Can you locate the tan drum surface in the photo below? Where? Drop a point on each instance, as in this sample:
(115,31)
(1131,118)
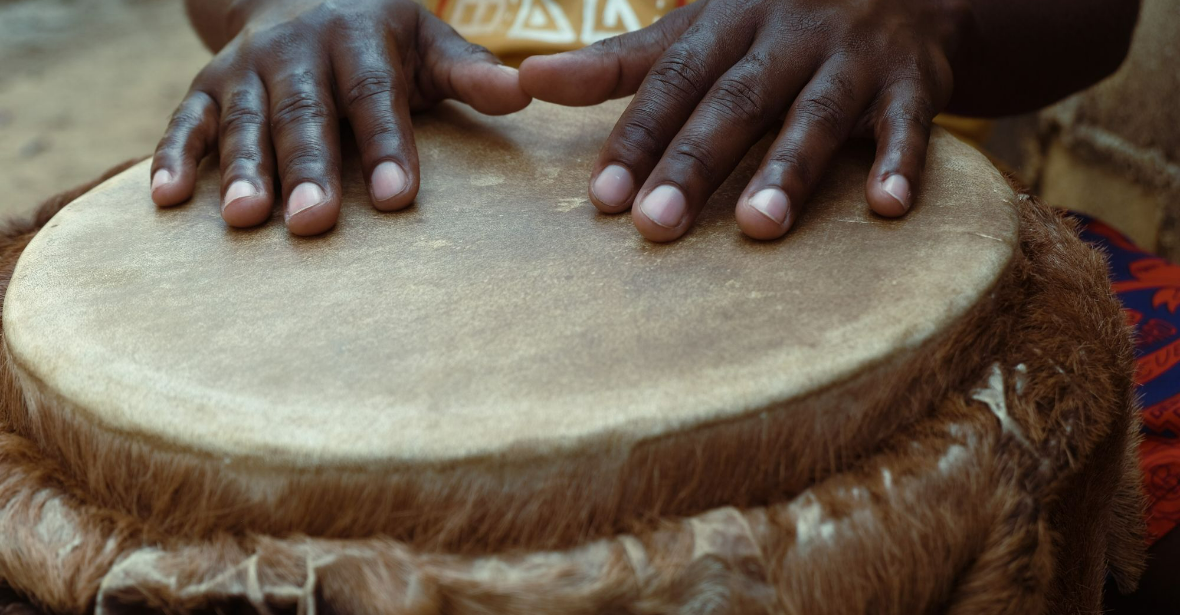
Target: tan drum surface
(498,327)
(500,401)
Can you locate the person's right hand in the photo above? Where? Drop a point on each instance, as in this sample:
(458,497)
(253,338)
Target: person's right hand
(270,100)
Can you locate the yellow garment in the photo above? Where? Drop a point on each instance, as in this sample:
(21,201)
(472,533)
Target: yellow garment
(516,29)
(972,130)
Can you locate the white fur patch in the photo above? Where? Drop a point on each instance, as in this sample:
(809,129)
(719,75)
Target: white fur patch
(57,527)
(1021,378)
(810,524)
(955,455)
(992,394)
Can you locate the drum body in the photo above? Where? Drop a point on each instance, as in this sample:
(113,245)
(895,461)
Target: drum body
(1113,151)
(501,401)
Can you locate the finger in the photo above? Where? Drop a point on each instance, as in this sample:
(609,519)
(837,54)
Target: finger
(610,68)
(819,122)
(191,134)
(375,99)
(676,84)
(306,134)
(738,109)
(467,72)
(247,158)
(903,135)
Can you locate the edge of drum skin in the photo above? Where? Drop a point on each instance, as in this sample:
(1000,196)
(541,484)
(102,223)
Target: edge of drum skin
(1015,491)
(523,499)
(492,504)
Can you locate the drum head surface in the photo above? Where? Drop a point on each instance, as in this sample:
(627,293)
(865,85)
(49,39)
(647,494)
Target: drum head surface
(499,316)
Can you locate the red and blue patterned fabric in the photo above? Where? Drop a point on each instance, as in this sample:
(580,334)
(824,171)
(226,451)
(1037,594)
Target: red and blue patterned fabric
(1149,289)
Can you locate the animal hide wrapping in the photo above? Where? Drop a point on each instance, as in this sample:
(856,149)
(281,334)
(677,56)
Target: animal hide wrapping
(1014,490)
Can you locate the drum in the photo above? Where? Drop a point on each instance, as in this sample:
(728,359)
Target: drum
(1114,150)
(501,401)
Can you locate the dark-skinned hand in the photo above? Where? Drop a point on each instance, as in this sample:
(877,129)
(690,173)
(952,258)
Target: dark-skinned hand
(711,78)
(271,99)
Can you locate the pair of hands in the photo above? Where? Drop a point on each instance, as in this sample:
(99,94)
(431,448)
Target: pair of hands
(709,80)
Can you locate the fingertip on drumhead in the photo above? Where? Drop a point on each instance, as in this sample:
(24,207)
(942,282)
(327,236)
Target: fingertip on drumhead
(398,202)
(168,190)
(890,196)
(652,231)
(247,212)
(612,189)
(314,220)
(765,215)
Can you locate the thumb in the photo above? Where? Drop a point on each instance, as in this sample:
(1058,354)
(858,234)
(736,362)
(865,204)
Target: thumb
(610,68)
(468,72)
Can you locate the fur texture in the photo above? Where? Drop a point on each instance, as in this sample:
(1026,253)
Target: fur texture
(1001,478)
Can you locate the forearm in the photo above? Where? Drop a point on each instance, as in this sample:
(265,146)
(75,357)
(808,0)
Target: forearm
(1019,55)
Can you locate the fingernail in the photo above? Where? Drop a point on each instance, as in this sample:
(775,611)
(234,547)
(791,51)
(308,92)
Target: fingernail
(161,178)
(238,190)
(613,186)
(303,197)
(389,180)
(665,206)
(772,203)
(508,69)
(897,187)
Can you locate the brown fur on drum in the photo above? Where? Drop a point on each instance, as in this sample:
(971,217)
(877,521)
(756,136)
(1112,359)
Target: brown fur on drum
(1013,490)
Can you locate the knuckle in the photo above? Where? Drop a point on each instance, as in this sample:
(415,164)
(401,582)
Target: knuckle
(840,86)
(795,162)
(638,136)
(191,111)
(914,114)
(608,46)
(183,119)
(243,162)
(302,107)
(695,154)
(376,138)
(369,85)
(739,101)
(303,160)
(280,41)
(241,116)
(808,23)
(183,130)
(477,51)
(165,154)
(908,75)
(825,112)
(670,27)
(681,75)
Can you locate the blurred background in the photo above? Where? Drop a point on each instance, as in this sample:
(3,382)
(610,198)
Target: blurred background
(86,84)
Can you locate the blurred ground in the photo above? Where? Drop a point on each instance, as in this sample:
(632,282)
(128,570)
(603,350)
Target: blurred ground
(84,85)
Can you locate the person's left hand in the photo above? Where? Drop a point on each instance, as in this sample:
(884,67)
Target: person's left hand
(711,78)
